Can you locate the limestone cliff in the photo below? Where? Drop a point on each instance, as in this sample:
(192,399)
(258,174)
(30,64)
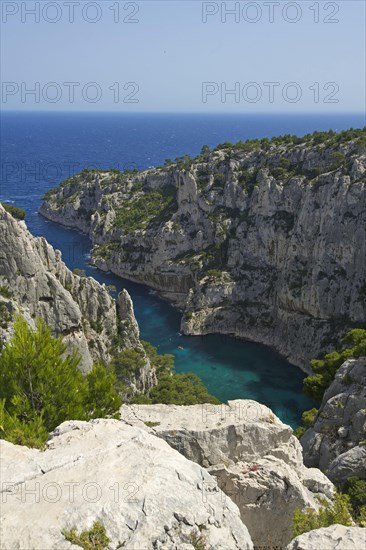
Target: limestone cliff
(35,282)
(337,441)
(335,537)
(264,240)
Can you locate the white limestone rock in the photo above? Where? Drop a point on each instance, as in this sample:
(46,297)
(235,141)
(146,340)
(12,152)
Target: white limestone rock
(146,494)
(335,537)
(254,457)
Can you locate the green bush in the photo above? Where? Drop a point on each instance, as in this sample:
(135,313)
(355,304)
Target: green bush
(149,207)
(329,138)
(31,432)
(355,488)
(41,386)
(337,159)
(5,292)
(308,418)
(17,213)
(102,400)
(79,272)
(326,368)
(173,388)
(160,362)
(336,511)
(179,389)
(6,315)
(127,364)
(214,273)
(95,538)
(50,193)
(247,179)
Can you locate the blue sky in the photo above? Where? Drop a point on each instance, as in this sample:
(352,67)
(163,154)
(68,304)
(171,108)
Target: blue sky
(170,60)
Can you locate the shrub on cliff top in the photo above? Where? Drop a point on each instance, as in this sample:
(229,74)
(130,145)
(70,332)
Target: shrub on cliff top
(17,213)
(95,538)
(326,368)
(330,513)
(41,386)
(173,388)
(355,488)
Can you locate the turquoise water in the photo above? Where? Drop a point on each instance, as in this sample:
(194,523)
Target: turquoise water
(39,150)
(230,368)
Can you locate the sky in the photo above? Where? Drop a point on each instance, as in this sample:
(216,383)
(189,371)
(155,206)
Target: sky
(183,56)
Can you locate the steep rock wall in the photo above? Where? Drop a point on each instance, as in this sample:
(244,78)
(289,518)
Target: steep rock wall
(265,242)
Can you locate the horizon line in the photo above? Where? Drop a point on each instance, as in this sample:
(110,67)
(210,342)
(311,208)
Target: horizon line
(24,111)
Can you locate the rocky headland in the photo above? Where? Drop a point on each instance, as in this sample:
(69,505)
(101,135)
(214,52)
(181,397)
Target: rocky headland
(263,240)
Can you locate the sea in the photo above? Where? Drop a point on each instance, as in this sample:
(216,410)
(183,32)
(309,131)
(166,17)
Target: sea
(40,149)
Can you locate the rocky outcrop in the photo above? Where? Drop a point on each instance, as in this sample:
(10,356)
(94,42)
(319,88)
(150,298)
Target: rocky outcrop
(337,441)
(254,457)
(146,494)
(262,241)
(35,281)
(335,537)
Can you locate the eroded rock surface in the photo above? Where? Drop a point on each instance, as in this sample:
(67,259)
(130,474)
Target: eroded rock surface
(335,537)
(336,442)
(254,457)
(147,495)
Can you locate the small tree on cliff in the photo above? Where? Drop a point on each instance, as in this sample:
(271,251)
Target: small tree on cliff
(41,386)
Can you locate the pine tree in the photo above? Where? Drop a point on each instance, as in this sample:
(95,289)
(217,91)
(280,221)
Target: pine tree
(41,386)
(38,377)
(102,400)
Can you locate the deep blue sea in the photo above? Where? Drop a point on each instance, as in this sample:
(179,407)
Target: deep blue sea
(38,150)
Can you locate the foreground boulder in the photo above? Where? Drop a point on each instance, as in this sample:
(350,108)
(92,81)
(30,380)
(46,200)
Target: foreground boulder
(335,537)
(146,494)
(254,457)
(336,442)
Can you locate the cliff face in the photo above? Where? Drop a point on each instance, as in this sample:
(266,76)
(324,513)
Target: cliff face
(266,241)
(35,281)
(337,441)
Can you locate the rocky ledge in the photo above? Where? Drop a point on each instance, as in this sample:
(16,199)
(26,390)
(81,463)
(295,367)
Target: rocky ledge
(265,240)
(129,476)
(336,537)
(253,456)
(147,496)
